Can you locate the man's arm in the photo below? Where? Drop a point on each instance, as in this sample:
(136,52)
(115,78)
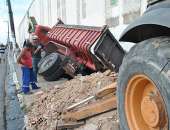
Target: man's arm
(38,49)
(20,56)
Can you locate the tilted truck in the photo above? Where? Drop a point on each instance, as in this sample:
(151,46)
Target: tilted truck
(144,77)
(73,49)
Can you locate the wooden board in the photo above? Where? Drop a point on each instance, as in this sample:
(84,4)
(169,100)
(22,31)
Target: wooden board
(107,90)
(92,109)
(69,125)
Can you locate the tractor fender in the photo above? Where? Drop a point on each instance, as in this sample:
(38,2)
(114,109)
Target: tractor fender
(154,23)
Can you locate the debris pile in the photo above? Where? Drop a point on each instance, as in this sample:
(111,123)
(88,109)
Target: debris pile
(46,111)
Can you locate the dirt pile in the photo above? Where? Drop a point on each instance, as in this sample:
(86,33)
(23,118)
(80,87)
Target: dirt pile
(48,105)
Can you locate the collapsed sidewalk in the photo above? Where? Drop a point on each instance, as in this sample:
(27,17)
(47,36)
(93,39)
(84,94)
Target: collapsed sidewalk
(44,109)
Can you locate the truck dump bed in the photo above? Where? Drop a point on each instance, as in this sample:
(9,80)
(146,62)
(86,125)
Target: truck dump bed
(95,47)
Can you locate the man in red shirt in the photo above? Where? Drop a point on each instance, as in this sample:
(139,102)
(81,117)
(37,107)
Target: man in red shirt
(25,60)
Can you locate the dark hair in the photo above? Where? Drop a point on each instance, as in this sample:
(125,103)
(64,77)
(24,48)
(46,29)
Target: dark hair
(27,44)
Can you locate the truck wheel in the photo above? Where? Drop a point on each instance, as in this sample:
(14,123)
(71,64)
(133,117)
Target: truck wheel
(144,86)
(56,75)
(41,61)
(49,64)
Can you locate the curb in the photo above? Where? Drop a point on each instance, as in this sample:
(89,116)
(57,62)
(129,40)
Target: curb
(15,79)
(11,62)
(16,117)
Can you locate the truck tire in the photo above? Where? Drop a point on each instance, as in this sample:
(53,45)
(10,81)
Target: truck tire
(49,64)
(56,75)
(41,61)
(144,86)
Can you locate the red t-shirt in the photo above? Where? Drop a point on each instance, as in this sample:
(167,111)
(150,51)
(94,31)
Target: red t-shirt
(26,58)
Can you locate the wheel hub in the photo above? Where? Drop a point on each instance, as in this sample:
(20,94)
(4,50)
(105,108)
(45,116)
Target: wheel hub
(144,105)
(150,111)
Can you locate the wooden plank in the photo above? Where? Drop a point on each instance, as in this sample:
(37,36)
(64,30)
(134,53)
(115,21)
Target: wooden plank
(70,125)
(106,90)
(92,109)
(100,94)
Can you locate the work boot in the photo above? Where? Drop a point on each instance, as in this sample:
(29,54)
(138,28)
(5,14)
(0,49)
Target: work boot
(34,86)
(25,90)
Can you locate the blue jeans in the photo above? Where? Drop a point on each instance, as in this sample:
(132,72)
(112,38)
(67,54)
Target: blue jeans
(28,78)
(35,62)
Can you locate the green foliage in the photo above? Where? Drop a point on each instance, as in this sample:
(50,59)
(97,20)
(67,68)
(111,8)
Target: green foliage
(32,24)
(113,2)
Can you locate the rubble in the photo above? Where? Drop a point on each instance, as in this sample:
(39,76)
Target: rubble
(48,105)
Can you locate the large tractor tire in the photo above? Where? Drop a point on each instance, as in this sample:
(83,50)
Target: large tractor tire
(144,86)
(49,64)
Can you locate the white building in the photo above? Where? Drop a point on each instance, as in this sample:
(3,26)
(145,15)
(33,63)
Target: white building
(114,13)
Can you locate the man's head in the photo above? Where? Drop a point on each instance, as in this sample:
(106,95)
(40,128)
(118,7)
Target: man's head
(34,39)
(59,21)
(27,43)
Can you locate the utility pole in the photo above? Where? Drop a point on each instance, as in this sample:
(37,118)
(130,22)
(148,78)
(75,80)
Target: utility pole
(11,19)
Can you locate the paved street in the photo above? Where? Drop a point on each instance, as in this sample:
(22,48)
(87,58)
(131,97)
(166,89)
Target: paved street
(2,95)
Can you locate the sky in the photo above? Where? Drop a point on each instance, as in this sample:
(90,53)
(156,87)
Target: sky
(19,8)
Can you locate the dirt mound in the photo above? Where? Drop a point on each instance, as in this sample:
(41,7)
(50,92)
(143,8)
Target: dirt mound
(48,105)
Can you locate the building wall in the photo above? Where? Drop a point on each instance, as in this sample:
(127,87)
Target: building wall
(71,9)
(92,12)
(131,10)
(21,32)
(123,11)
(83,12)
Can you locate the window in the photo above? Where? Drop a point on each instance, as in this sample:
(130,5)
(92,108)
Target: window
(130,17)
(63,4)
(78,12)
(113,21)
(58,8)
(84,8)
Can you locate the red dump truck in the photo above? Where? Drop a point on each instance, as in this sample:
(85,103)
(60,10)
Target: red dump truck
(73,49)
